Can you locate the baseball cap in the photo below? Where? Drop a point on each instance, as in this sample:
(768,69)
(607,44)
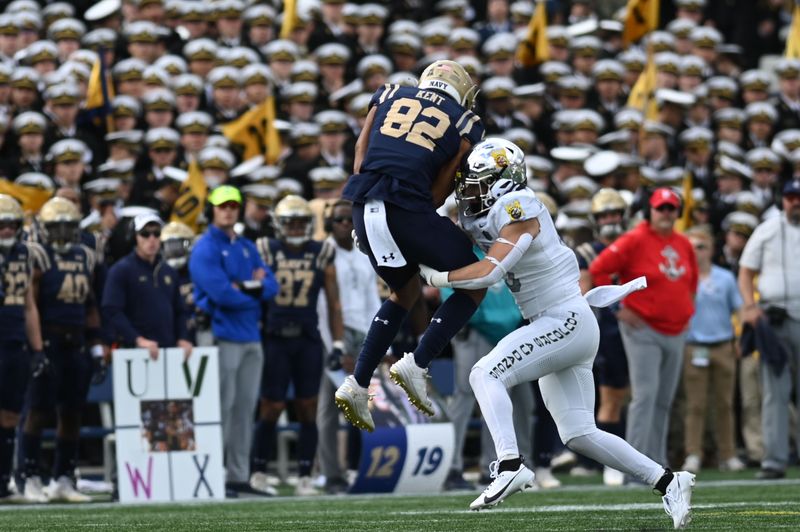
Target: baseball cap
(141,220)
(663,196)
(224,194)
(792,187)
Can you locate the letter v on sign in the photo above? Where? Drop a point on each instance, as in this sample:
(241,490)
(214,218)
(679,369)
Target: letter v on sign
(198,381)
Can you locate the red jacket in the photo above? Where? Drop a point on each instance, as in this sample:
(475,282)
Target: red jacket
(668,263)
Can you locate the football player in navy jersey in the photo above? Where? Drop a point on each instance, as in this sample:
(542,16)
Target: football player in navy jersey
(292,345)
(62,283)
(176,244)
(19,329)
(608,214)
(407,155)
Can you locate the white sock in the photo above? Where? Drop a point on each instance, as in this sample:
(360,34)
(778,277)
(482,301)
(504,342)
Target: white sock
(496,409)
(615,452)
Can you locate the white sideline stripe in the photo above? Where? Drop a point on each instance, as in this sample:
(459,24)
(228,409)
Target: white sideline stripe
(393,496)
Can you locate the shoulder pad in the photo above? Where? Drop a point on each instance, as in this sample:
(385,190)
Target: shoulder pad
(262,245)
(38,256)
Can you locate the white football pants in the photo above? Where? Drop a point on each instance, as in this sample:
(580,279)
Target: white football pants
(558,349)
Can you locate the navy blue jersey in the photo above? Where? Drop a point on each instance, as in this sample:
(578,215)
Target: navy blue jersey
(300,275)
(65,285)
(16,267)
(414,134)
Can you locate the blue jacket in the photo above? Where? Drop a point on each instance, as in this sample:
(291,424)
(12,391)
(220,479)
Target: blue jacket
(217,263)
(143,299)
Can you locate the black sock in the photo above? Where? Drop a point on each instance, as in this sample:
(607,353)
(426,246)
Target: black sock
(663,482)
(6,456)
(306,448)
(66,458)
(380,336)
(449,318)
(510,465)
(263,440)
(31,451)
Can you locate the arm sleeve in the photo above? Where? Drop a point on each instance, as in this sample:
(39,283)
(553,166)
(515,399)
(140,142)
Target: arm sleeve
(208,276)
(114,302)
(608,262)
(500,267)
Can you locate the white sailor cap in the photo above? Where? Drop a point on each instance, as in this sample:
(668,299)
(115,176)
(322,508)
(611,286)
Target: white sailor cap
(332,53)
(372,64)
(696,136)
(762,158)
(763,111)
(281,50)
(35,180)
(102,9)
(729,165)
(202,49)
(161,137)
(217,158)
(671,96)
(602,163)
(194,122)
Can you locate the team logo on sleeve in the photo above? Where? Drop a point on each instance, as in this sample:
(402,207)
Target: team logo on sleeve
(514,210)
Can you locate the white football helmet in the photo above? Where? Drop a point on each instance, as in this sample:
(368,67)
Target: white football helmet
(493,168)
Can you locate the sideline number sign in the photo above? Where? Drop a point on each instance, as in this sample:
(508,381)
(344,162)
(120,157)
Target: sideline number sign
(168,427)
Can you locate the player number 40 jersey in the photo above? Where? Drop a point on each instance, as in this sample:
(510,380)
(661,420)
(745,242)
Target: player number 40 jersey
(548,272)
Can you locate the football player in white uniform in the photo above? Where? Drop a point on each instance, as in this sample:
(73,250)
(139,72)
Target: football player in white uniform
(559,343)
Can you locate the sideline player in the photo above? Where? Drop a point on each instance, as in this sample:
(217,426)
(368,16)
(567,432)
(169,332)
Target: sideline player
(560,341)
(413,141)
(608,217)
(62,284)
(19,329)
(293,346)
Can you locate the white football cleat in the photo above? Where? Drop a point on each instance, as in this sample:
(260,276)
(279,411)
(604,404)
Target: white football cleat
(414,381)
(678,499)
(259,481)
(504,484)
(34,491)
(305,487)
(353,400)
(63,490)
(545,478)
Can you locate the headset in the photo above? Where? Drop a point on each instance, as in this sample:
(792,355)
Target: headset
(328,213)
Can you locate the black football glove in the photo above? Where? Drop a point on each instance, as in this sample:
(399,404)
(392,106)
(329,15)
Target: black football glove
(40,364)
(252,288)
(335,356)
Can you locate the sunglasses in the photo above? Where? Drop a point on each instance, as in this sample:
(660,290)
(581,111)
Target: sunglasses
(228,206)
(149,234)
(666,208)
(343,219)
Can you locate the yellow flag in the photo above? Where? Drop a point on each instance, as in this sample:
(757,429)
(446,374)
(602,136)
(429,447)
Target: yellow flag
(641,96)
(685,221)
(31,198)
(255,132)
(99,93)
(534,49)
(191,197)
(641,17)
(289,18)
(793,40)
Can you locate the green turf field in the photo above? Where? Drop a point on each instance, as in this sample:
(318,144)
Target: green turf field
(743,505)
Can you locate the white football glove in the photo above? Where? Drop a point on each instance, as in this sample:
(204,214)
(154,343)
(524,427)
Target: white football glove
(356,243)
(434,277)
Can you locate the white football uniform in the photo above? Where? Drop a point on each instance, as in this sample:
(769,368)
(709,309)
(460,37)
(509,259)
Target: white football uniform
(557,347)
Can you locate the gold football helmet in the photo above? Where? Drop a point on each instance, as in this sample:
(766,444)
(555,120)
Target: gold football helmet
(605,201)
(60,219)
(11,215)
(293,220)
(176,243)
(451,78)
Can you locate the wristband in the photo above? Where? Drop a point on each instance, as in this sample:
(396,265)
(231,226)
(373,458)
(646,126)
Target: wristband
(440,279)
(338,344)
(97,351)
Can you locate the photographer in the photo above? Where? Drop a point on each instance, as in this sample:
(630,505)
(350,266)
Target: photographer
(230,283)
(773,253)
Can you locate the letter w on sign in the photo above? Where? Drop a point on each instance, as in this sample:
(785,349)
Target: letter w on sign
(195,385)
(136,479)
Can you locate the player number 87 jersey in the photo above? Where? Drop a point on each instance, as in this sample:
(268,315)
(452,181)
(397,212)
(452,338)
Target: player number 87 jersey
(548,272)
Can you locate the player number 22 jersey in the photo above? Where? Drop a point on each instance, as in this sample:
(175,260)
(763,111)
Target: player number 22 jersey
(548,272)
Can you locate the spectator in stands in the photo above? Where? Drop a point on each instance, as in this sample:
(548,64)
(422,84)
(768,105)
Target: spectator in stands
(710,358)
(652,335)
(773,253)
(142,304)
(231,283)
